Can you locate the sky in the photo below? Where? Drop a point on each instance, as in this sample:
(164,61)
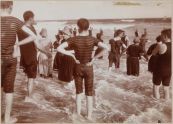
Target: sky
(93,9)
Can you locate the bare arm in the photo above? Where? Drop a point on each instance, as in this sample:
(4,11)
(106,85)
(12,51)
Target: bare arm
(62,50)
(26,40)
(28,31)
(105,48)
(32,37)
(124,45)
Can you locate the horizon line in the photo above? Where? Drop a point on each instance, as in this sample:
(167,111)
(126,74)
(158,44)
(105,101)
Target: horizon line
(52,20)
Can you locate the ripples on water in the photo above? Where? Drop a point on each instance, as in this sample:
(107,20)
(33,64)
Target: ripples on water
(118,98)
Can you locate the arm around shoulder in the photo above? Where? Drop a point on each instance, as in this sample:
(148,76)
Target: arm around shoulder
(104,46)
(62,50)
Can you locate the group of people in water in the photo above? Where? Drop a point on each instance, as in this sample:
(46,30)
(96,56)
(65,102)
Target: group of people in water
(75,55)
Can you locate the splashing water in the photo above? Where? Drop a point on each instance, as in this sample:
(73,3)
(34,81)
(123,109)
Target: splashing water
(118,98)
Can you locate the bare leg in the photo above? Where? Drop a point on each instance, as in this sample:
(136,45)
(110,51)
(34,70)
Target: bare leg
(166,92)
(89,107)
(2,94)
(78,103)
(30,86)
(156,93)
(8,108)
(109,69)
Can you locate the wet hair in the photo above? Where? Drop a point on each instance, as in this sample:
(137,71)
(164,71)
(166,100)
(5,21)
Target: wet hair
(60,32)
(98,36)
(57,37)
(166,32)
(27,15)
(83,24)
(159,38)
(118,32)
(6,4)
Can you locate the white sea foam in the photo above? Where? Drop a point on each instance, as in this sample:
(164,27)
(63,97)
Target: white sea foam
(53,27)
(118,97)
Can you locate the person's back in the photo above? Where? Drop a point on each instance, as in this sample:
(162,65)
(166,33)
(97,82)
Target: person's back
(164,62)
(83,47)
(153,59)
(163,74)
(28,51)
(115,46)
(9,28)
(134,50)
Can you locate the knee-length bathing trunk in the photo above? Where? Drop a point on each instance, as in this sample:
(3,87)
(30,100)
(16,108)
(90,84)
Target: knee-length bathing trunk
(8,73)
(10,26)
(84,73)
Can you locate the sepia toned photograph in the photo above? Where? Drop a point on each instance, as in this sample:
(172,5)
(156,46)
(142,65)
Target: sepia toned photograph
(86,61)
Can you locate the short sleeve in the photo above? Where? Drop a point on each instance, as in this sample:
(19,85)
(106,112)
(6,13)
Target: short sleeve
(19,24)
(71,43)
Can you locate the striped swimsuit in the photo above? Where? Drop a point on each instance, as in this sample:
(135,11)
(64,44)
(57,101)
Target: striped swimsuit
(83,47)
(9,29)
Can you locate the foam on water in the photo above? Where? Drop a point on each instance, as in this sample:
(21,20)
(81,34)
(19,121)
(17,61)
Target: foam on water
(118,97)
(55,26)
